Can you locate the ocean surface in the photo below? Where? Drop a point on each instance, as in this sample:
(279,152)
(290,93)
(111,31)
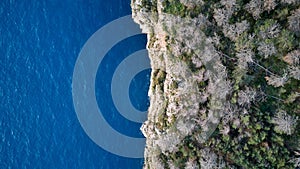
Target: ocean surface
(39,44)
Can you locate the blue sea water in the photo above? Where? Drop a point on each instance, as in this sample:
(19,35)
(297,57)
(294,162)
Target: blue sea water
(39,45)
(115,119)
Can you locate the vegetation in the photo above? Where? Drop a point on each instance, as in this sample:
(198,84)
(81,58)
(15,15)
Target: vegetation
(253,94)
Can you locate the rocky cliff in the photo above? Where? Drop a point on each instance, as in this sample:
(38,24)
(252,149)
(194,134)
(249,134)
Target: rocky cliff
(224,89)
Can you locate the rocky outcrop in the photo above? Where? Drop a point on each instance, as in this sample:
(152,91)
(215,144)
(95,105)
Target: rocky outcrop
(176,47)
(199,96)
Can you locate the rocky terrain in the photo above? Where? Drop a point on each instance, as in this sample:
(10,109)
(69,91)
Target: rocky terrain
(225,83)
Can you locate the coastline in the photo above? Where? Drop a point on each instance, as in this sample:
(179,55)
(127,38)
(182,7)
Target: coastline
(224,89)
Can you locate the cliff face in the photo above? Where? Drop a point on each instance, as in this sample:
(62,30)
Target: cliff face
(212,92)
(179,78)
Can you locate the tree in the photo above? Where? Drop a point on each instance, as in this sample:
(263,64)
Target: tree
(209,160)
(284,123)
(294,21)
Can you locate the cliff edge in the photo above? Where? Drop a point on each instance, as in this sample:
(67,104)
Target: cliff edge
(225,80)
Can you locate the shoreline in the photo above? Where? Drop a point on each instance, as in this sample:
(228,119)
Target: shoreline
(213,101)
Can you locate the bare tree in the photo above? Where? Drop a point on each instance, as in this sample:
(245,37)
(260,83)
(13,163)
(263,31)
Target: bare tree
(284,122)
